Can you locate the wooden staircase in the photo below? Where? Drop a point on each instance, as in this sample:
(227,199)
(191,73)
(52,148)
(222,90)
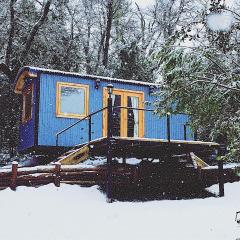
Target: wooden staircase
(190,161)
(75,155)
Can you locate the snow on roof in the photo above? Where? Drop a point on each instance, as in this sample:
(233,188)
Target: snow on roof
(25,71)
(110,79)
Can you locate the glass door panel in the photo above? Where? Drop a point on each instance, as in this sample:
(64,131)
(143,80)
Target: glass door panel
(116,115)
(132,117)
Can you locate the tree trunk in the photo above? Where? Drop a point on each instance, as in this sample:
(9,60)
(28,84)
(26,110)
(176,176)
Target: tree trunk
(11,33)
(108,32)
(87,48)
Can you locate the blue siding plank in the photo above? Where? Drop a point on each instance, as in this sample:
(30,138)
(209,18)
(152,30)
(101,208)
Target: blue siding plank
(49,124)
(26,130)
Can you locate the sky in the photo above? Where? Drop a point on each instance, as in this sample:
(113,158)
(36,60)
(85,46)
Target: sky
(144,3)
(220,21)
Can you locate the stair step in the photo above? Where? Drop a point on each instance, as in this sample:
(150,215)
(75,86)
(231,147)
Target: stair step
(74,155)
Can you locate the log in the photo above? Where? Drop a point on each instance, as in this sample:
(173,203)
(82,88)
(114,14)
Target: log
(135,175)
(221,178)
(52,170)
(57,174)
(80,182)
(29,180)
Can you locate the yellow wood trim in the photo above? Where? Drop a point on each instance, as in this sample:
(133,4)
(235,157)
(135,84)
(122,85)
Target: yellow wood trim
(124,127)
(58,102)
(21,80)
(25,92)
(75,157)
(124,94)
(104,122)
(140,96)
(191,142)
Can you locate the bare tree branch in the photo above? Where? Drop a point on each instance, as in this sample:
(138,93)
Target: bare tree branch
(34,31)
(11,33)
(108,32)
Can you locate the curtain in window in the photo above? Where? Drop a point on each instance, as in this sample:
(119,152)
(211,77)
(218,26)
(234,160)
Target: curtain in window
(134,101)
(113,100)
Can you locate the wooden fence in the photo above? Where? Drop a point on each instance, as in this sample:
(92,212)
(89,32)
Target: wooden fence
(122,174)
(35,176)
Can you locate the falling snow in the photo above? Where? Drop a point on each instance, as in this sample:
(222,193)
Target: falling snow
(220,21)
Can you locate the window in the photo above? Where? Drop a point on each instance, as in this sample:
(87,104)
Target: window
(72,100)
(27,103)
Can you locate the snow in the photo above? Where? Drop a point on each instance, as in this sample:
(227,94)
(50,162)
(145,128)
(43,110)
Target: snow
(220,21)
(225,166)
(144,3)
(109,79)
(89,163)
(72,212)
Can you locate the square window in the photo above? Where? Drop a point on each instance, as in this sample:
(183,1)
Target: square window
(72,100)
(27,104)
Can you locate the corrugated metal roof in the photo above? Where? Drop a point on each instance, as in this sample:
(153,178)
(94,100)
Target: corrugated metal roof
(29,70)
(92,76)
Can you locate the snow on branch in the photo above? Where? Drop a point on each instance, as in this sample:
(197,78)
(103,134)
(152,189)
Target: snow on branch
(210,81)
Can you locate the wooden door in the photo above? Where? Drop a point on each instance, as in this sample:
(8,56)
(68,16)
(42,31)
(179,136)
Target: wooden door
(126,122)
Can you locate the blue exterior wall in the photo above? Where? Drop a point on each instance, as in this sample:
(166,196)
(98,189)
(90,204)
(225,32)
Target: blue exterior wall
(26,131)
(49,124)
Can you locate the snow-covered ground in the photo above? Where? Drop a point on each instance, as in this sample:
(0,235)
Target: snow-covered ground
(73,212)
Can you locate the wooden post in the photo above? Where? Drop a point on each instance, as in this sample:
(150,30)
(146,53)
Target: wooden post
(199,175)
(168,128)
(220,178)
(195,135)
(185,132)
(57,170)
(14,175)
(136,175)
(109,144)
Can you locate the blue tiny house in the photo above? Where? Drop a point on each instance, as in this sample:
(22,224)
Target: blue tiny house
(54,100)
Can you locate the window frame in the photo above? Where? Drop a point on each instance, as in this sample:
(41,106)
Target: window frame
(58,99)
(25,92)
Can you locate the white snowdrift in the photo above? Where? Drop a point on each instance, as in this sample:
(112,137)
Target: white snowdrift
(73,212)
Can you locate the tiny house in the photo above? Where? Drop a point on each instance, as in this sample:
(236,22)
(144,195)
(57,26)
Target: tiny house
(54,100)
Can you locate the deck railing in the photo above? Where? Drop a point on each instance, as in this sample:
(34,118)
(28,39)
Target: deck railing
(110,112)
(110,135)
(88,117)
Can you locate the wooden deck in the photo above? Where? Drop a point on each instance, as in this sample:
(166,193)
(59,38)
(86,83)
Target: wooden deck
(126,147)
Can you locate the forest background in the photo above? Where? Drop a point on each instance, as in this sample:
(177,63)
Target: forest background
(190,47)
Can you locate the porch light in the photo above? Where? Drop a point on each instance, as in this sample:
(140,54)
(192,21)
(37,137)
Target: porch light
(110,89)
(97,83)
